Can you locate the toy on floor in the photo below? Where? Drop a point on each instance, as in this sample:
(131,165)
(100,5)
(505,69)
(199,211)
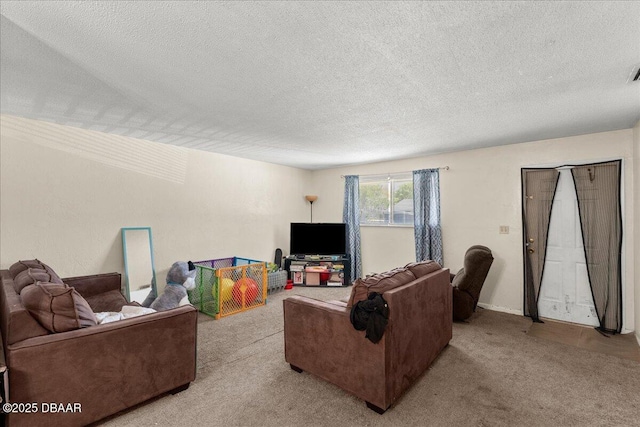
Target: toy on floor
(226,286)
(247,287)
(180,278)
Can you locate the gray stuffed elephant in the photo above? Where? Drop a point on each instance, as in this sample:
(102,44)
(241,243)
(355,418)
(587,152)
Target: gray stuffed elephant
(180,278)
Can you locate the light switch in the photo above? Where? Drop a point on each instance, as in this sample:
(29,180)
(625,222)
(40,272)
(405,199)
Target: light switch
(504,229)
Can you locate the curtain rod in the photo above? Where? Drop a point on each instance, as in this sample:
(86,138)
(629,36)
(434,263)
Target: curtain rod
(397,173)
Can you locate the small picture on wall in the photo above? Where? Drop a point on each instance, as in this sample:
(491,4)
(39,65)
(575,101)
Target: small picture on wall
(298,278)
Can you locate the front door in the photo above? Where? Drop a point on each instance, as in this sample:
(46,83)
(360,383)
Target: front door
(565,293)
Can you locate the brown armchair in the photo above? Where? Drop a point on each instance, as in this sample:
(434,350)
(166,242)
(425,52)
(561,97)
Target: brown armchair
(467,282)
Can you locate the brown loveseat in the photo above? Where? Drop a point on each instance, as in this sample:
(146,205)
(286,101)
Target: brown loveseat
(320,339)
(76,377)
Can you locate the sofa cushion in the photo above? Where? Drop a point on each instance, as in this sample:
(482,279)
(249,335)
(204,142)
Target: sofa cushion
(33,275)
(107,301)
(57,307)
(423,268)
(379,283)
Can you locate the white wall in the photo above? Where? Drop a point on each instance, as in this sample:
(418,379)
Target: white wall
(636,223)
(480,192)
(66,192)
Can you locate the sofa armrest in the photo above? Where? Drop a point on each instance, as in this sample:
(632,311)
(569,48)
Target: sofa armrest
(339,303)
(320,339)
(420,326)
(105,368)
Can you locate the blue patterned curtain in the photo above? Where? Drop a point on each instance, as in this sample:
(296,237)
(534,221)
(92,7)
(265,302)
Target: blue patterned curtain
(426,215)
(351,217)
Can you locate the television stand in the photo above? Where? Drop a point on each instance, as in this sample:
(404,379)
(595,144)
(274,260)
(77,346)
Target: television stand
(318,270)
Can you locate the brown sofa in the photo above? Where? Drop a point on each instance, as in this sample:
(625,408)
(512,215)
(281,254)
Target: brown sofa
(93,371)
(320,339)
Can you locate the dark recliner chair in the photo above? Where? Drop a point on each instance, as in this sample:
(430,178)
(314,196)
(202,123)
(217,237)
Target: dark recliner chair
(467,282)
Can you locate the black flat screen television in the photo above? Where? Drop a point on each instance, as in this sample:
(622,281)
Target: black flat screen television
(318,239)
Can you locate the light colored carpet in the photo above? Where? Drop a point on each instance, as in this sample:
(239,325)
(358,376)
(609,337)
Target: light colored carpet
(585,337)
(493,373)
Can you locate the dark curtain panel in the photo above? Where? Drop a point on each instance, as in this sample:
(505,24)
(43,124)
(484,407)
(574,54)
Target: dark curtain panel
(538,191)
(598,190)
(426,215)
(351,217)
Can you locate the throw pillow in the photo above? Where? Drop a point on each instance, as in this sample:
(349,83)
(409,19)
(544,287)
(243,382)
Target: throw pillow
(21,266)
(33,275)
(57,307)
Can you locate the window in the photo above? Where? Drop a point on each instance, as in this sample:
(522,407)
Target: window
(386,200)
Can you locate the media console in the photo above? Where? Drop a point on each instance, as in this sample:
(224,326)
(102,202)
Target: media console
(318,270)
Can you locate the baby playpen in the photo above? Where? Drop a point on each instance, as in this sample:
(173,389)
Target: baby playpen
(231,285)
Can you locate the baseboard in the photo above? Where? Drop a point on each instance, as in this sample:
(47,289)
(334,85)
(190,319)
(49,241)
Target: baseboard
(502,309)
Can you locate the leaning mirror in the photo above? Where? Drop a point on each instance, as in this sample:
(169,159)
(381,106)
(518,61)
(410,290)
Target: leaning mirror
(139,270)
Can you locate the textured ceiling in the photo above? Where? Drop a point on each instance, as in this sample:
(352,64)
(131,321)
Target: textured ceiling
(324,84)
